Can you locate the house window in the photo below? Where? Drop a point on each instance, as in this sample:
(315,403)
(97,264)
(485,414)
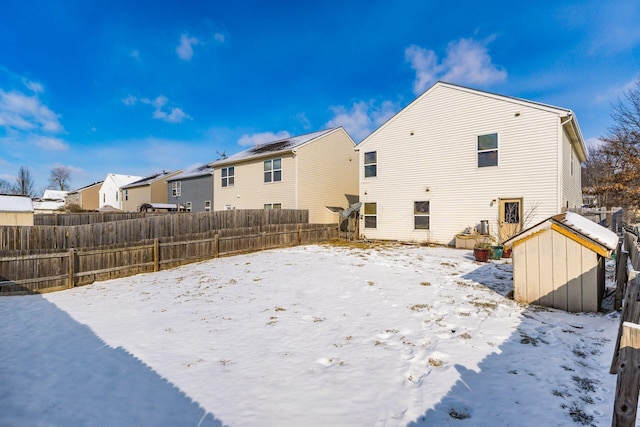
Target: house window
(176,187)
(421,215)
(488,150)
(273,170)
(188,206)
(370,215)
(126,194)
(370,164)
(273,205)
(207,205)
(228,207)
(228,176)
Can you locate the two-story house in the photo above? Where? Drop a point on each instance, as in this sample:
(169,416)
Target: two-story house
(311,171)
(457,158)
(192,189)
(151,189)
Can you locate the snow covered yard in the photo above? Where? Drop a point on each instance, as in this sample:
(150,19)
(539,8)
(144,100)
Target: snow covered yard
(311,335)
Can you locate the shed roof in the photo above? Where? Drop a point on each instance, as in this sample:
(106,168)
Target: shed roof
(13,203)
(575,227)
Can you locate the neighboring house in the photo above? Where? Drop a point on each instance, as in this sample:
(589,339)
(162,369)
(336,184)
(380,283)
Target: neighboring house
(110,189)
(457,157)
(312,171)
(56,195)
(87,197)
(16,210)
(192,189)
(52,201)
(152,189)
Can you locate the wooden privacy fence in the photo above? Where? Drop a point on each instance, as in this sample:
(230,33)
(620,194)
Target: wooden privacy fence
(626,357)
(99,234)
(75,267)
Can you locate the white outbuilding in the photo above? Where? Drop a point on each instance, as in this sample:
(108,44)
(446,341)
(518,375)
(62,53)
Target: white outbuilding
(559,263)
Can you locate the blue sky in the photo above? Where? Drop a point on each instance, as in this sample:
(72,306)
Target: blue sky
(140,87)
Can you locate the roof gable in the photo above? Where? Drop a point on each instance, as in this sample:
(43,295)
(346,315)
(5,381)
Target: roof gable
(569,116)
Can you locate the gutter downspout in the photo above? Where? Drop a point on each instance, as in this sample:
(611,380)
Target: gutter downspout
(295,159)
(560,164)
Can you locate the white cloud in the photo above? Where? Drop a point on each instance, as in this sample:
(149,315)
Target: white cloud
(130,100)
(50,143)
(135,54)
(612,94)
(185,48)
(304,121)
(362,118)
(467,61)
(262,138)
(172,115)
(219,37)
(27,113)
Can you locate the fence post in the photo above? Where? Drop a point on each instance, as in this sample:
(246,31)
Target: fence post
(72,267)
(216,248)
(629,314)
(299,234)
(156,254)
(628,382)
(621,278)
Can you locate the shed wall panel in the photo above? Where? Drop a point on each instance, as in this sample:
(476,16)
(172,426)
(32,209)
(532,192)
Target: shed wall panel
(519,273)
(546,268)
(533,270)
(589,280)
(560,293)
(574,276)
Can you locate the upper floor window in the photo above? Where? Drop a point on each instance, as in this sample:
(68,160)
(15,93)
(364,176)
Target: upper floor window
(126,194)
(176,187)
(488,150)
(421,215)
(273,170)
(370,164)
(228,176)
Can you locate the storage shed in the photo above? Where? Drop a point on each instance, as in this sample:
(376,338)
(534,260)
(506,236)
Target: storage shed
(559,263)
(16,210)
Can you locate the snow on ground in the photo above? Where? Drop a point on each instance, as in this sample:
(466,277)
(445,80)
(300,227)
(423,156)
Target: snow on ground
(310,335)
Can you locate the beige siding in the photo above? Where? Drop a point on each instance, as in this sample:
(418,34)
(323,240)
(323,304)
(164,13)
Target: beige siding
(571,175)
(429,152)
(16,218)
(250,191)
(327,173)
(159,193)
(137,196)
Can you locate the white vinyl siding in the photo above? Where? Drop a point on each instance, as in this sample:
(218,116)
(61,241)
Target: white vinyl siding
(571,183)
(439,158)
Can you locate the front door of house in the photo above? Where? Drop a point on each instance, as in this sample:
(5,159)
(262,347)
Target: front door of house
(510,218)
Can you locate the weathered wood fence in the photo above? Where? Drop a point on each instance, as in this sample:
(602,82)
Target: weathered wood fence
(157,226)
(63,269)
(626,357)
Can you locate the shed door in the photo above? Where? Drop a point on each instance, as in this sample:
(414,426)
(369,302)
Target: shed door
(510,218)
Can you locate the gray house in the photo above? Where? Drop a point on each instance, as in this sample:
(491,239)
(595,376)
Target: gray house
(192,189)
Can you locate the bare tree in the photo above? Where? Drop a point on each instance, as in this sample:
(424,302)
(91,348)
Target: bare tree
(60,177)
(5,187)
(24,182)
(613,171)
